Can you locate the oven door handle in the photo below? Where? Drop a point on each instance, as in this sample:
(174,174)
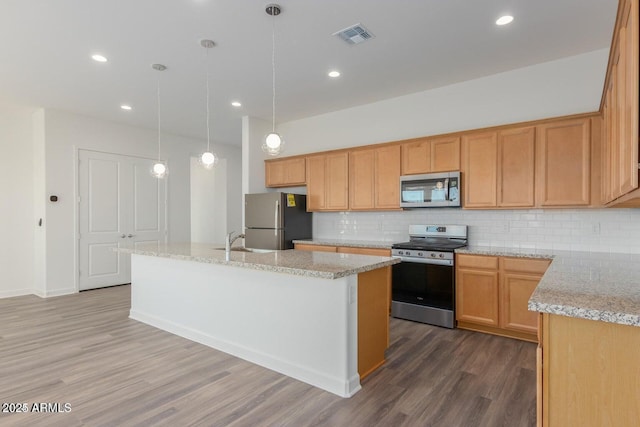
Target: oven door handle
(448,262)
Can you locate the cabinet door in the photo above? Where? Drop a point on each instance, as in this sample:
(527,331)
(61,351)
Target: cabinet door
(285,172)
(416,157)
(515,291)
(362,179)
(479,170)
(477,296)
(337,182)
(518,279)
(628,94)
(387,177)
(516,154)
(563,163)
(445,154)
(316,187)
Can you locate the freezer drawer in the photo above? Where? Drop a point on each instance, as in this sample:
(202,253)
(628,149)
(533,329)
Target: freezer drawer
(265,238)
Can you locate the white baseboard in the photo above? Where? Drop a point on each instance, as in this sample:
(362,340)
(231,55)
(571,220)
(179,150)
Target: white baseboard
(15,293)
(56,293)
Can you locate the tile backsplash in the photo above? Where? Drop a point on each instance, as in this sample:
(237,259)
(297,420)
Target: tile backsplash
(593,230)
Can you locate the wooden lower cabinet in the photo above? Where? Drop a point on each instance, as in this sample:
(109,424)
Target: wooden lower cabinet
(477,290)
(588,373)
(317,248)
(492,294)
(518,279)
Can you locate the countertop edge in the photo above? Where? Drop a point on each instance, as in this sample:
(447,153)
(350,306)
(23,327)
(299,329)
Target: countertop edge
(265,267)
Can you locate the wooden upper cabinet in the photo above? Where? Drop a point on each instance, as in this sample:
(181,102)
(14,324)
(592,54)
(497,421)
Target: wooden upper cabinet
(563,163)
(424,155)
(374,178)
(387,177)
(619,152)
(479,169)
(516,160)
(416,156)
(316,185)
(445,154)
(337,181)
(362,179)
(629,111)
(285,172)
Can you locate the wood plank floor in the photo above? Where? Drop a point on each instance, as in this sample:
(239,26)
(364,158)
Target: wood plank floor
(84,350)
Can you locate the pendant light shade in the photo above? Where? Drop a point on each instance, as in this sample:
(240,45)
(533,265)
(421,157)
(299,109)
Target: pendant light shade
(273,143)
(208,159)
(159,169)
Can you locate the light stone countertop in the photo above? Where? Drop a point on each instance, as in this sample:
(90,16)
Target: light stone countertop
(589,285)
(376,244)
(324,265)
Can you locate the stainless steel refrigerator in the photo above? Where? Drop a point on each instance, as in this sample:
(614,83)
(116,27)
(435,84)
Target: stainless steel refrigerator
(274,220)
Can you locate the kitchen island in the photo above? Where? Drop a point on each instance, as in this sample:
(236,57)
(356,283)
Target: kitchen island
(321,318)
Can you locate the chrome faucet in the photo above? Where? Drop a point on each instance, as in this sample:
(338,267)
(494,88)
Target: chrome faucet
(230,239)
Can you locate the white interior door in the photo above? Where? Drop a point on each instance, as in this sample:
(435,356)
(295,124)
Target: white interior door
(120,204)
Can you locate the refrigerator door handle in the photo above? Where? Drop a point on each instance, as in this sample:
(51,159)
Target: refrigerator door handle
(275,217)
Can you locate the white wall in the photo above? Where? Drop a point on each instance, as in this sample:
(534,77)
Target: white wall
(37,159)
(208,202)
(64,134)
(567,86)
(17,219)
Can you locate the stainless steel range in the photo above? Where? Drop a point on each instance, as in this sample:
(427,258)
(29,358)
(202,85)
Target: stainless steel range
(423,286)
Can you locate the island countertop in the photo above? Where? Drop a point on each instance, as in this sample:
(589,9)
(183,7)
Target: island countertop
(302,263)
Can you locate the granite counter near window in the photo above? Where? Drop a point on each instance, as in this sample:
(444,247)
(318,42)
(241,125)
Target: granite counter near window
(590,285)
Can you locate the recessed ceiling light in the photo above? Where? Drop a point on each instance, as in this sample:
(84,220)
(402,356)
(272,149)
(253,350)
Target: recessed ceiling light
(236,104)
(334,73)
(126,107)
(504,20)
(98,58)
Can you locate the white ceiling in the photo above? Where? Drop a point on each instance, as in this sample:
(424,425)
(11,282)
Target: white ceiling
(45,48)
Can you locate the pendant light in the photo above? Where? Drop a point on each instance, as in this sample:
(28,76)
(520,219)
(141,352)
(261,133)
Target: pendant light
(273,143)
(159,169)
(208,158)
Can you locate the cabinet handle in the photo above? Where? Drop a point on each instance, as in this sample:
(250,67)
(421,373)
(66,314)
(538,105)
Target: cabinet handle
(122,236)
(130,235)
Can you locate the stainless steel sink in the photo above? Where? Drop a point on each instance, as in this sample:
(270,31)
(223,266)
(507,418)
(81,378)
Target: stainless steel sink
(254,250)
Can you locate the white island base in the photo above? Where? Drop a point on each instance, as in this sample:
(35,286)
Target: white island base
(303,327)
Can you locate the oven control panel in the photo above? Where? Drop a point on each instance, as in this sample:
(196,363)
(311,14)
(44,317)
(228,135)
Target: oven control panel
(416,253)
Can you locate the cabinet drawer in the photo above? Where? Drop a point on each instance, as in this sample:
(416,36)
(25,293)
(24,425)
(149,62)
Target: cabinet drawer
(525,265)
(364,251)
(477,261)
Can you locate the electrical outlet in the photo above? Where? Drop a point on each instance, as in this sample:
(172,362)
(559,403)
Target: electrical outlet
(595,228)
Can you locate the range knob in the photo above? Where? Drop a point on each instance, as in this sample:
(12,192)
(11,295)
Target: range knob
(419,253)
(433,255)
(400,253)
(441,255)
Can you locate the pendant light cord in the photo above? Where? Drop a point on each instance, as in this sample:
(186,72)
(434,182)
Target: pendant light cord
(158,93)
(273,71)
(208,131)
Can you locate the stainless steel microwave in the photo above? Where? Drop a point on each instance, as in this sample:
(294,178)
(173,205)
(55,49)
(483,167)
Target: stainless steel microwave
(430,190)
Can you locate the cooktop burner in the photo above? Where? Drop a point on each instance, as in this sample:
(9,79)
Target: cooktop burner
(444,238)
(431,245)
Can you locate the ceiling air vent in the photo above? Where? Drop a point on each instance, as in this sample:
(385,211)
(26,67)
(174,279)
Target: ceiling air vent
(354,34)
